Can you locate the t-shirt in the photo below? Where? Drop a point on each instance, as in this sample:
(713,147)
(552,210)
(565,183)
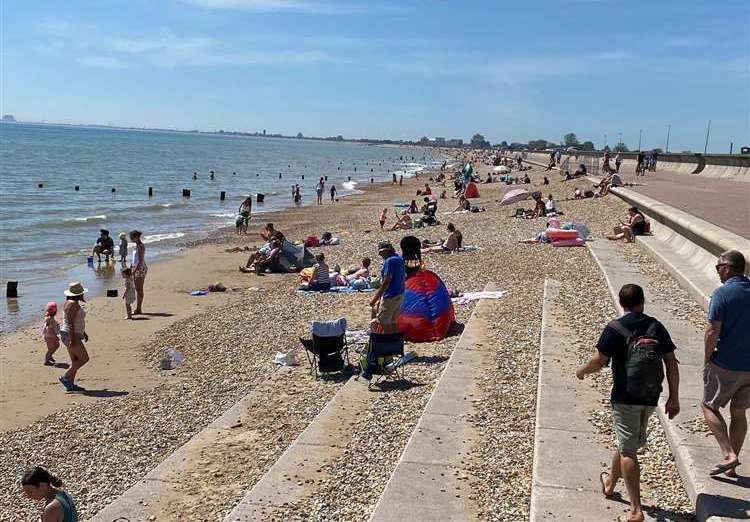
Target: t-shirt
(614,345)
(394,267)
(730,304)
(322,277)
(106,243)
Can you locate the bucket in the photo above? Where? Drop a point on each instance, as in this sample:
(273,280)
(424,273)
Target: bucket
(90,260)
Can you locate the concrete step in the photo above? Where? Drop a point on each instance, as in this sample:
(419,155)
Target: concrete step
(297,472)
(694,452)
(568,458)
(430,482)
(165,483)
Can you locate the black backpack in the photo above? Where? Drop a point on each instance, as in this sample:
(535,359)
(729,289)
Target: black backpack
(644,367)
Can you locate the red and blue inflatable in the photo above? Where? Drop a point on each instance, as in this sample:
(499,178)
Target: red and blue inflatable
(427,313)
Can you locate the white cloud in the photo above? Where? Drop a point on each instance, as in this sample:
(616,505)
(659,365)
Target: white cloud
(102,62)
(267,6)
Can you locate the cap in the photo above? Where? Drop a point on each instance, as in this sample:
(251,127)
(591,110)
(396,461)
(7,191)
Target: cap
(384,245)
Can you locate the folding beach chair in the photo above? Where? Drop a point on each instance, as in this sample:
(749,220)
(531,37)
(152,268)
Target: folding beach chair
(385,357)
(327,350)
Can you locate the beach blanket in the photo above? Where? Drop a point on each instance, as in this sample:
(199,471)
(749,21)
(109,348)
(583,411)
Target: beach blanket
(465,248)
(468,297)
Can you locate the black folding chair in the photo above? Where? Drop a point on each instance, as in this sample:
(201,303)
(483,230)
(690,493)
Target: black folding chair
(384,358)
(327,351)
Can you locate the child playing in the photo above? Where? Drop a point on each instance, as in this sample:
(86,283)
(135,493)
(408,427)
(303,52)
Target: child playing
(129,293)
(123,247)
(51,332)
(382,218)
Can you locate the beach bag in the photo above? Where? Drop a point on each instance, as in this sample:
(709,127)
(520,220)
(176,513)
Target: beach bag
(311,241)
(646,226)
(644,367)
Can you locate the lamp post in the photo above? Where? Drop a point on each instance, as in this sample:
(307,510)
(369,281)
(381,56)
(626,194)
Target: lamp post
(669,129)
(640,134)
(708,133)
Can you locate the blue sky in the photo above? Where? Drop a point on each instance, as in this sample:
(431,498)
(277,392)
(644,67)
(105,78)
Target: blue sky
(510,70)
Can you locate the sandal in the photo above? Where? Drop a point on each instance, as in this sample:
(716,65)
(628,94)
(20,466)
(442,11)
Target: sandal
(723,468)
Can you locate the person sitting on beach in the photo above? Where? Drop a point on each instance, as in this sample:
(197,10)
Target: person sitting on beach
(580,171)
(463,204)
(362,273)
(40,484)
(404,222)
(549,205)
(443,195)
(264,259)
(320,280)
(611,180)
(269,233)
(540,209)
(541,237)
(634,226)
(489,178)
(577,193)
(413,209)
(545,180)
(452,243)
(104,245)
(526,179)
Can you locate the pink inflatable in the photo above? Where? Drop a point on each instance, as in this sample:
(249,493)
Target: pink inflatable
(569,242)
(555,234)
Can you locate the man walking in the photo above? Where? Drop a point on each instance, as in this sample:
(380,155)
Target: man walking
(640,349)
(726,374)
(386,303)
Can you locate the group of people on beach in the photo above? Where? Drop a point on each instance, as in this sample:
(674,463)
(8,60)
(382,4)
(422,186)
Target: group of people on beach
(71,330)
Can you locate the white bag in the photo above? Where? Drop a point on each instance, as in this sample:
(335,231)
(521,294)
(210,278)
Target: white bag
(286,359)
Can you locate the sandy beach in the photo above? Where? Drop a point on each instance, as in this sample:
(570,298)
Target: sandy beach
(135,414)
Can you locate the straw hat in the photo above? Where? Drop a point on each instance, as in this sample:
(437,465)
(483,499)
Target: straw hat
(75,289)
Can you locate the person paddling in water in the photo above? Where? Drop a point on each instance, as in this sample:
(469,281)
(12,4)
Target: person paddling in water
(139,269)
(40,484)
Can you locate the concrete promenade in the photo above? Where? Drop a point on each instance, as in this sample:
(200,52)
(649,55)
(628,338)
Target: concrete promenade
(722,202)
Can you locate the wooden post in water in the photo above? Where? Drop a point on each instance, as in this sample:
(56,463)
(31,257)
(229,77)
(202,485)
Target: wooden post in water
(11,289)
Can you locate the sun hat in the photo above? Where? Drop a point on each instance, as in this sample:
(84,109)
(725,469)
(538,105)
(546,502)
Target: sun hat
(51,307)
(75,289)
(384,245)
(122,235)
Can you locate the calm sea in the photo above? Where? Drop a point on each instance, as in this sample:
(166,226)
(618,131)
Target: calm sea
(46,233)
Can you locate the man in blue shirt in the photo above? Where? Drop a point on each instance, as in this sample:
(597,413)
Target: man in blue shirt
(387,301)
(726,374)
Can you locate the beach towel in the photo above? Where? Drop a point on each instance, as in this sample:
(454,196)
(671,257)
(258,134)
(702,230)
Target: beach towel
(468,297)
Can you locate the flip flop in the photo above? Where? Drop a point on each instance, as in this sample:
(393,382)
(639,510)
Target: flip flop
(723,468)
(604,485)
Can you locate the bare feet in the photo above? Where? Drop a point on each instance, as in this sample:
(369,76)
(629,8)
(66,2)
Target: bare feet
(608,489)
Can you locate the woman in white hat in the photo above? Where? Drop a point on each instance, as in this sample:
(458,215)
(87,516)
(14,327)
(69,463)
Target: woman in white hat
(73,333)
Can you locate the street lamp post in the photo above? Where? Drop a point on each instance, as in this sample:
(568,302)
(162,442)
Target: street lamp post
(669,129)
(640,134)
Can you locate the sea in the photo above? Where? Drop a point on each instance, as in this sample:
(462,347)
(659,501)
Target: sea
(61,184)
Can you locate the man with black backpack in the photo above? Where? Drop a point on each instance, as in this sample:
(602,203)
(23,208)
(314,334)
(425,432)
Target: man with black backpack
(640,349)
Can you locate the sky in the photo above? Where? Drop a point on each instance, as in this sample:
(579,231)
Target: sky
(511,71)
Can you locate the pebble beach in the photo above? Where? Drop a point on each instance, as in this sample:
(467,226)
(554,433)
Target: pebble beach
(100,447)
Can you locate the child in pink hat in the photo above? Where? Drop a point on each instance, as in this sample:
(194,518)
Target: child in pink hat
(51,332)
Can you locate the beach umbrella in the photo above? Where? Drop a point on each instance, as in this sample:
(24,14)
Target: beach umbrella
(502,169)
(512,196)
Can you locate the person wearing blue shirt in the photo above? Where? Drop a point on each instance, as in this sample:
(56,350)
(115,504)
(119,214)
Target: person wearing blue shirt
(387,301)
(726,373)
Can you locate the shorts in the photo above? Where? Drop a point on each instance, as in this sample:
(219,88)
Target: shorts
(722,386)
(65,337)
(631,424)
(389,310)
